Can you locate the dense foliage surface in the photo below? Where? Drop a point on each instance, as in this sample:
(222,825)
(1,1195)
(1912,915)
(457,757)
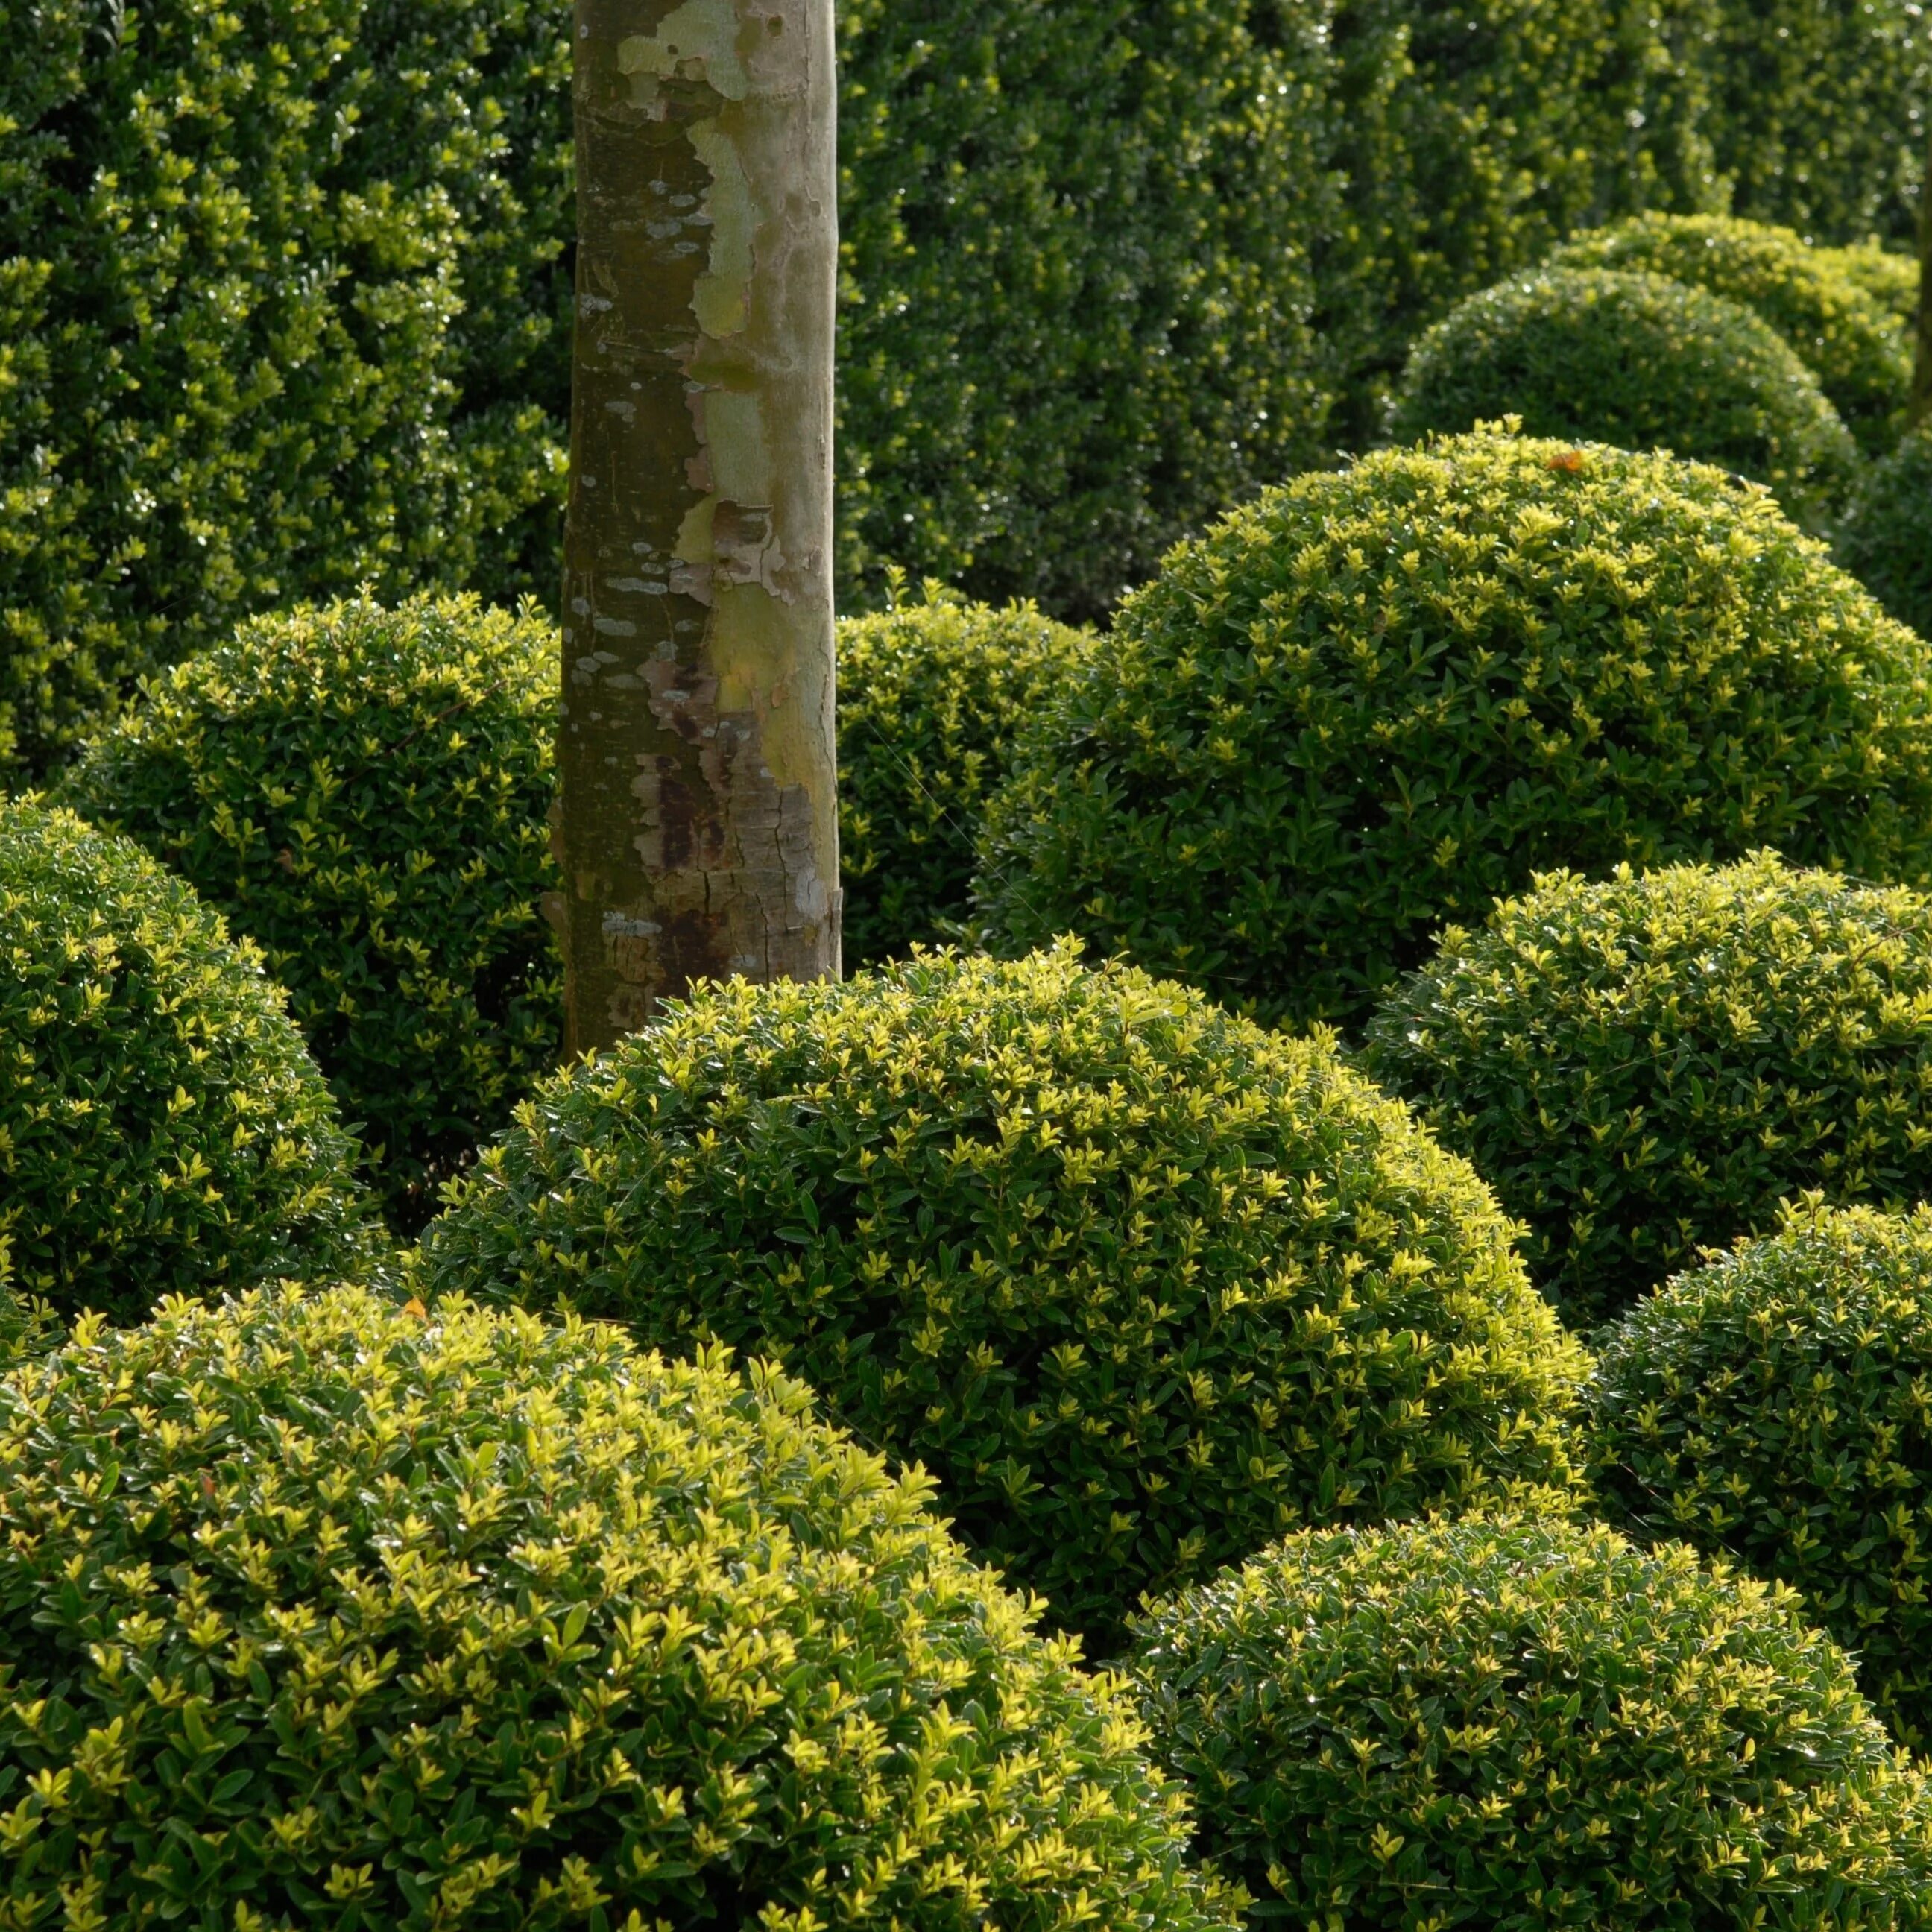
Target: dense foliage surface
(280,304)
(930,696)
(1885,538)
(1375,701)
(363,793)
(1646,1065)
(1522,1722)
(1774,1404)
(1890,276)
(162,1130)
(320,1611)
(1142,1285)
(1638,361)
(1849,339)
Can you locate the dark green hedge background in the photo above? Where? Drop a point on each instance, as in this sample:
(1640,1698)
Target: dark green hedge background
(283,283)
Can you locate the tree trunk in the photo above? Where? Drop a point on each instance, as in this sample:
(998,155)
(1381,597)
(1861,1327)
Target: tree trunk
(1922,376)
(698,826)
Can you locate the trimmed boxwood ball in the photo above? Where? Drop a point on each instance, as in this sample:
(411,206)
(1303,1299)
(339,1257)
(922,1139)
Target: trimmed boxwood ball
(1889,276)
(1513,1722)
(1638,361)
(162,1129)
(1773,1403)
(1142,1285)
(1646,1065)
(363,792)
(1375,700)
(1885,538)
(1850,341)
(931,695)
(317,1609)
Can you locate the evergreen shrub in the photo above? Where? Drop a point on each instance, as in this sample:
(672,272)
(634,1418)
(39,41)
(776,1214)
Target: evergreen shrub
(363,792)
(1375,701)
(1646,1065)
(1774,1404)
(1885,539)
(931,695)
(1889,276)
(1142,1285)
(162,1129)
(282,306)
(1849,339)
(1638,361)
(1505,1722)
(316,1609)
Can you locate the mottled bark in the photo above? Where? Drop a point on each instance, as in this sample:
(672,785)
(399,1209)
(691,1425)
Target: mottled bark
(1922,379)
(698,823)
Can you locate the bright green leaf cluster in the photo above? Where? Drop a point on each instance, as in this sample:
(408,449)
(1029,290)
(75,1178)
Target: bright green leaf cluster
(316,1611)
(281,308)
(162,1130)
(1889,276)
(1375,701)
(1884,538)
(1516,1722)
(1142,1285)
(1645,1066)
(1638,361)
(1777,1403)
(1847,338)
(931,697)
(363,792)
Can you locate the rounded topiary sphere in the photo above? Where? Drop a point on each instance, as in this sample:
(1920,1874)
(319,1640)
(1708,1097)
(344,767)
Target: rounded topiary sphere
(1773,1403)
(1141,1284)
(162,1129)
(1645,1066)
(1509,1722)
(1847,338)
(316,1608)
(363,792)
(1635,360)
(1889,276)
(1886,539)
(931,697)
(1373,701)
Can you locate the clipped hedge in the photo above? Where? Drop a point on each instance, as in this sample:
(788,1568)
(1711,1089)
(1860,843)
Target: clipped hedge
(316,1607)
(1141,1284)
(1815,114)
(162,1130)
(1774,1404)
(1646,1065)
(1884,538)
(280,295)
(1374,701)
(1638,361)
(363,792)
(931,697)
(1849,340)
(1501,1722)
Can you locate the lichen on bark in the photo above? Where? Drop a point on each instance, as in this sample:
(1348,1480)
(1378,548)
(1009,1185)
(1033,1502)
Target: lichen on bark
(698,826)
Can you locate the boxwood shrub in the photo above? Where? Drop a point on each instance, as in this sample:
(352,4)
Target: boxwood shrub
(1141,1284)
(931,695)
(1773,1403)
(1850,341)
(1644,1065)
(1376,700)
(1889,276)
(363,792)
(317,1609)
(281,293)
(1522,1722)
(1639,361)
(1884,538)
(162,1129)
